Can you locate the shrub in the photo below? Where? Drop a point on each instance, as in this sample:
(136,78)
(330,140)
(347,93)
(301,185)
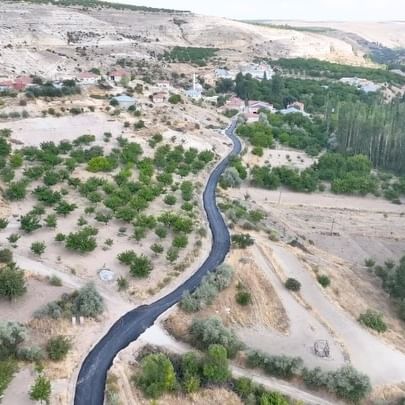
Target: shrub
(141,266)
(157,375)
(323,280)
(292,284)
(32,354)
(55,281)
(122,283)
(38,248)
(175,99)
(369,263)
(242,241)
(180,241)
(170,200)
(373,320)
(58,347)
(161,232)
(172,254)
(3,223)
(12,334)
(12,282)
(6,256)
(16,190)
(348,384)
(157,248)
(279,366)
(60,237)
(41,389)
(88,302)
(209,288)
(205,332)
(243,297)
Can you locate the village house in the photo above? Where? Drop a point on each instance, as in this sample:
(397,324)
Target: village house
(22,82)
(163,84)
(118,74)
(87,78)
(235,103)
(160,97)
(255,107)
(6,85)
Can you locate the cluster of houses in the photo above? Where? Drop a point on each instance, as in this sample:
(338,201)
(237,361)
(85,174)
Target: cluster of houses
(20,83)
(251,109)
(257,71)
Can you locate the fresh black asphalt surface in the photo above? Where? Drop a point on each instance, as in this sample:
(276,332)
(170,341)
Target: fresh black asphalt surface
(90,384)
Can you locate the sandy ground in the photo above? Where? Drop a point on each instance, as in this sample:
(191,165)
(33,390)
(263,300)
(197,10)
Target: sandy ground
(367,353)
(39,293)
(17,392)
(280,157)
(34,131)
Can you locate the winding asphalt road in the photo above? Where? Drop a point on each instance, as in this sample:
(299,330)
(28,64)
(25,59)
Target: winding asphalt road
(90,384)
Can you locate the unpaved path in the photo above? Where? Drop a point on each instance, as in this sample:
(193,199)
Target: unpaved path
(382,363)
(304,330)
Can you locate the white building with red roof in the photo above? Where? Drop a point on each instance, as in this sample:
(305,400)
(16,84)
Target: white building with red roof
(87,78)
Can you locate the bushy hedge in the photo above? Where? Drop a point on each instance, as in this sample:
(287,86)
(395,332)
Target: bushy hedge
(205,332)
(209,288)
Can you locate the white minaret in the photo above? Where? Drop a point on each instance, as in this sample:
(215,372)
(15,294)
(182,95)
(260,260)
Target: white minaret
(194,81)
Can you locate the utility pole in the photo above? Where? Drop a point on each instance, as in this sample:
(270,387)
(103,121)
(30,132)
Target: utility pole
(333,224)
(279,198)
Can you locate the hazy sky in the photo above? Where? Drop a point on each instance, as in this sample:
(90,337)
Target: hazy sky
(359,10)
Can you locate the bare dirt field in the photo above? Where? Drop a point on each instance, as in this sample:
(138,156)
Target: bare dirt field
(363,227)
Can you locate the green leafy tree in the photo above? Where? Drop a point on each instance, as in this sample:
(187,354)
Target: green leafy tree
(141,266)
(12,282)
(30,222)
(157,375)
(82,241)
(16,190)
(215,365)
(41,390)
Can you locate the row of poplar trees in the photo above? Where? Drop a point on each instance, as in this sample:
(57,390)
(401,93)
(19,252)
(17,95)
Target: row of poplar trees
(377,131)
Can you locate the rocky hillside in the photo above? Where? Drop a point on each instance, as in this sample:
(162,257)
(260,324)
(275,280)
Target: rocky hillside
(49,39)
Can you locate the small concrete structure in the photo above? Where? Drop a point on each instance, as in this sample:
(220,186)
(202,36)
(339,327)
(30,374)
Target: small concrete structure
(163,84)
(125,101)
(258,71)
(106,274)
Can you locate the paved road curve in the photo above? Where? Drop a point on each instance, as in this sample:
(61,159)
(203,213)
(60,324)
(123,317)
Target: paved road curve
(92,376)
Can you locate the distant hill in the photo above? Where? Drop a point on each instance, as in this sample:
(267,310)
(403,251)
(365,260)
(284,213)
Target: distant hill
(52,37)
